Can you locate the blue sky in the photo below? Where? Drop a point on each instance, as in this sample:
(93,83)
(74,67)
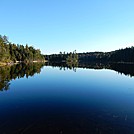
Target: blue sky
(67,25)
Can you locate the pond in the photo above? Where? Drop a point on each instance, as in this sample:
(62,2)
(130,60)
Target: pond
(48,99)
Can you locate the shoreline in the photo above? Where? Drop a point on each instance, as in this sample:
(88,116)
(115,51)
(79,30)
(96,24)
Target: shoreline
(17,62)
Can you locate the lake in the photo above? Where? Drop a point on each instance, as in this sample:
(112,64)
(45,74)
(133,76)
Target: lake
(88,99)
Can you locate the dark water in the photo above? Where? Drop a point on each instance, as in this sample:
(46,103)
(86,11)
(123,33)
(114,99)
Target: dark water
(37,99)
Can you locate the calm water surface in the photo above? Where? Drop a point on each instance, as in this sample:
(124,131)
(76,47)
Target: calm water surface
(84,101)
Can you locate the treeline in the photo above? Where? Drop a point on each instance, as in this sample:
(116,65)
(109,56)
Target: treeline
(10,52)
(93,57)
(121,55)
(71,57)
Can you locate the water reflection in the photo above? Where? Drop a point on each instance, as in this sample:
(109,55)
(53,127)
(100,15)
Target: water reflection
(126,69)
(63,102)
(7,73)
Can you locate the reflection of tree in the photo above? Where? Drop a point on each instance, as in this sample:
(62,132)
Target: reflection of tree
(126,69)
(64,66)
(7,73)
(4,85)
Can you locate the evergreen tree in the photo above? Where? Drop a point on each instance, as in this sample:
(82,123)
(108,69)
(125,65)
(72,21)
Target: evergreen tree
(11,52)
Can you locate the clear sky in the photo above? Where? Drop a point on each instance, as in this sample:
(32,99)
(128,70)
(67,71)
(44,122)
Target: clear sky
(67,25)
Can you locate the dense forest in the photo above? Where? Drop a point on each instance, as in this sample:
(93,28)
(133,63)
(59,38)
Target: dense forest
(71,57)
(10,52)
(120,56)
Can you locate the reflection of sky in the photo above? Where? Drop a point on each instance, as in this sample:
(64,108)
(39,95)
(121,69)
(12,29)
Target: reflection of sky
(102,86)
(85,91)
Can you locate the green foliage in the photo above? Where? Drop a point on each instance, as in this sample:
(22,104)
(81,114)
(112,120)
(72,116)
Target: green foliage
(71,57)
(11,52)
(4,49)
(122,55)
